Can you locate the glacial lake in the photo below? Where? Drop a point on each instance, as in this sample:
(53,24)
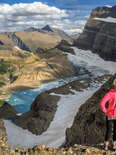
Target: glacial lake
(21,101)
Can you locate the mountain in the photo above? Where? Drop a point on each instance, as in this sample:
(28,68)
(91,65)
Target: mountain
(47,28)
(99,34)
(33,39)
(29,58)
(24,70)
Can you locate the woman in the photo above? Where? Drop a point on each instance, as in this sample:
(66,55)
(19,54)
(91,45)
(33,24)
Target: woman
(110,112)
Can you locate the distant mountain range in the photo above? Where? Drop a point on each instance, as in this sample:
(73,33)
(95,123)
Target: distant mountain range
(33,39)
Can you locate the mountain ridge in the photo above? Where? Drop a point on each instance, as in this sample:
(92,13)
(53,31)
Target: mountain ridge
(32,39)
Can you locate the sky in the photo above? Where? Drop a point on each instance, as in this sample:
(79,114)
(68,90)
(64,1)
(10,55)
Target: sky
(69,15)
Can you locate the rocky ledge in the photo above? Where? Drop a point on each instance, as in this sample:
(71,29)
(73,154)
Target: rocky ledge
(76,149)
(89,125)
(100,36)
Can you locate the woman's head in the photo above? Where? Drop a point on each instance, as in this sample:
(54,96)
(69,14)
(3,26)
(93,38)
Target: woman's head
(114,83)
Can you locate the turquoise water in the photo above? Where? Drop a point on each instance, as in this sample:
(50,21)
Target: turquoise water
(21,101)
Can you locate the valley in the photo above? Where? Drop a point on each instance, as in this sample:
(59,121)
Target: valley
(51,86)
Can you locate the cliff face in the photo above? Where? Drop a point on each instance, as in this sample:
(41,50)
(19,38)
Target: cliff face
(89,125)
(18,42)
(99,35)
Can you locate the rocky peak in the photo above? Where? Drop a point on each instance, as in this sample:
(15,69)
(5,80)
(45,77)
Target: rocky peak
(48,28)
(101,12)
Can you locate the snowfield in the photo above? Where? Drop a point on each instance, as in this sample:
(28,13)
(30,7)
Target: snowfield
(92,62)
(67,106)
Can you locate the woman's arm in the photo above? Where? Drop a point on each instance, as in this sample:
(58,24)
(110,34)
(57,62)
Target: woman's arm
(103,102)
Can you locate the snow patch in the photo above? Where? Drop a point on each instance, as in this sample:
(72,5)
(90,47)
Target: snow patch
(16,47)
(107,19)
(108,6)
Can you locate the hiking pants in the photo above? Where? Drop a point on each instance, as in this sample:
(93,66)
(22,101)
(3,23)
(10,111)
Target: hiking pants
(110,130)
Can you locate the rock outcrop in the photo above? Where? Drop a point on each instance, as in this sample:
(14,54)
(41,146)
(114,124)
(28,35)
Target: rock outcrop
(65,47)
(18,42)
(7,111)
(89,125)
(42,111)
(100,36)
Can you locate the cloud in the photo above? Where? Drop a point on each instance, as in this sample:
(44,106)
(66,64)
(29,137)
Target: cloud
(22,15)
(37,14)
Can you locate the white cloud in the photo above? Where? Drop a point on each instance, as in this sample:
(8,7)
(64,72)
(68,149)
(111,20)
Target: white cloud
(23,15)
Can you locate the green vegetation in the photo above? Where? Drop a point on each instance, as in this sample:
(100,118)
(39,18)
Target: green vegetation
(6,67)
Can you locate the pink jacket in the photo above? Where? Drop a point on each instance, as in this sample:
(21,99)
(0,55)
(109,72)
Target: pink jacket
(110,97)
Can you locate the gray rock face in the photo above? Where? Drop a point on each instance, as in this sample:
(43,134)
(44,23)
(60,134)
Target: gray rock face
(89,125)
(99,36)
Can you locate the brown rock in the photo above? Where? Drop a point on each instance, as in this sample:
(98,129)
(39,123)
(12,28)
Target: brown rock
(38,119)
(7,111)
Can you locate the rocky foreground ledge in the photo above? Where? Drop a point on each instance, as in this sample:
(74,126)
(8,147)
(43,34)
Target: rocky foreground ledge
(89,125)
(5,149)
